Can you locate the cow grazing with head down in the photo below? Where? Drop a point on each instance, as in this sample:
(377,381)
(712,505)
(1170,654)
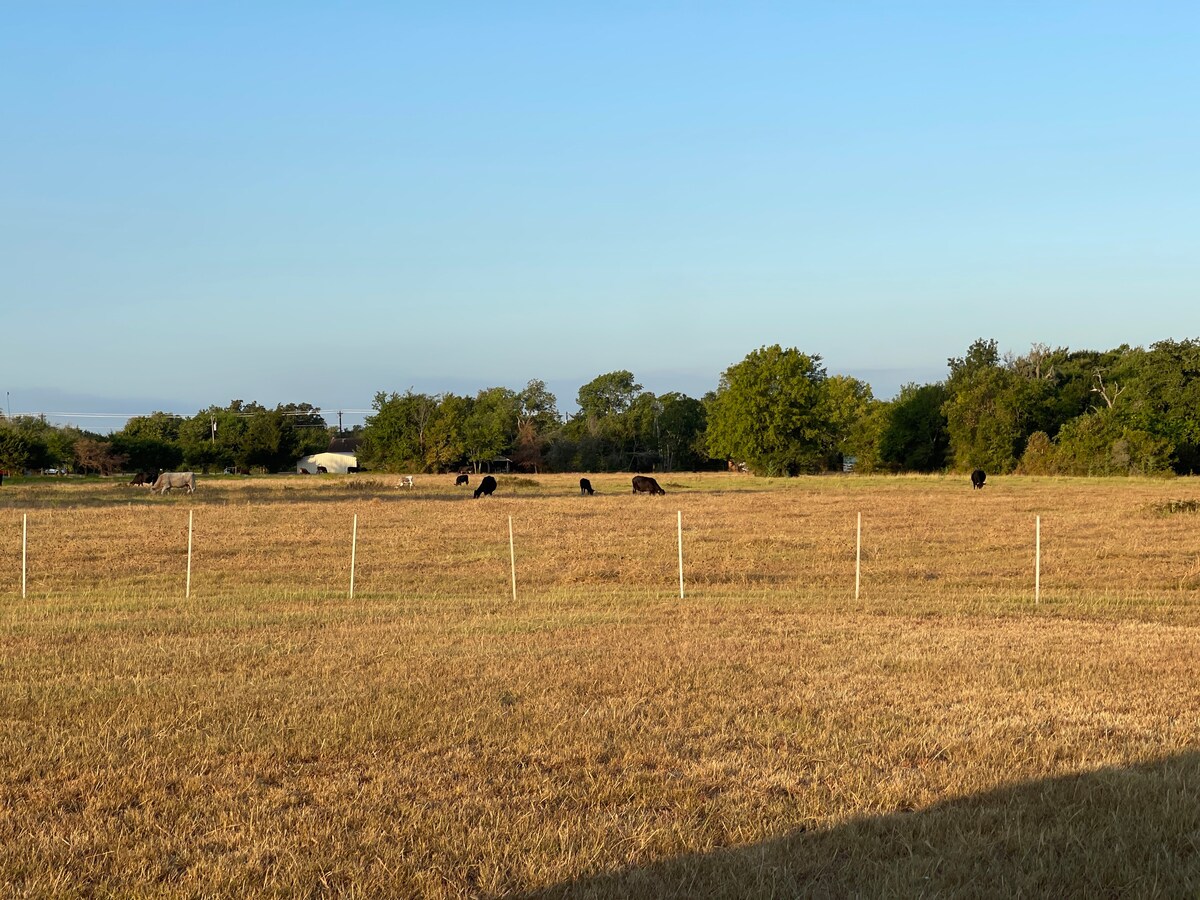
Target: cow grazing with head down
(644,484)
(585,488)
(142,479)
(486,487)
(978,477)
(167,480)
(463,478)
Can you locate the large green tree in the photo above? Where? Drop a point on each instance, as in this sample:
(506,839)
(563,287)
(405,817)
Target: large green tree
(445,436)
(982,409)
(770,411)
(608,395)
(1161,397)
(395,436)
(490,430)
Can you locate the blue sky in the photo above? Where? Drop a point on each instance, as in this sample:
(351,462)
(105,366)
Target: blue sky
(315,202)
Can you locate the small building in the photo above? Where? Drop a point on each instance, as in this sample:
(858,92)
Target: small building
(333,463)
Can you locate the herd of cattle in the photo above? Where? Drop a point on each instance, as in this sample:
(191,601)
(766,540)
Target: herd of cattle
(164,481)
(642,484)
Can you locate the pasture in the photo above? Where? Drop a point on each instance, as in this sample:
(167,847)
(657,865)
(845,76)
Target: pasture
(768,735)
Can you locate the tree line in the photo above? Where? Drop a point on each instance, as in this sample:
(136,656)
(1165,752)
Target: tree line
(1125,411)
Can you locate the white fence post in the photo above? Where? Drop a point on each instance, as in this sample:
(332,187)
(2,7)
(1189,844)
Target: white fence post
(680,532)
(512,559)
(1037,564)
(353,553)
(858,558)
(187,591)
(24,544)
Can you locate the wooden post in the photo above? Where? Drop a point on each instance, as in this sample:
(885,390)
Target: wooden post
(187,592)
(24,544)
(353,552)
(858,558)
(512,559)
(680,533)
(1037,563)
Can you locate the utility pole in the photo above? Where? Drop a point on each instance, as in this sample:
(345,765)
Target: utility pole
(339,421)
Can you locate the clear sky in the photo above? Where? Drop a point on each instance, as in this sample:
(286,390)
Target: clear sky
(313,202)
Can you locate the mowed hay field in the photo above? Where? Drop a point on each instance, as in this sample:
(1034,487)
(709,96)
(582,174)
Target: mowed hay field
(768,735)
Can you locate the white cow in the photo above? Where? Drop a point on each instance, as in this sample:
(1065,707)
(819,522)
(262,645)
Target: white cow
(168,480)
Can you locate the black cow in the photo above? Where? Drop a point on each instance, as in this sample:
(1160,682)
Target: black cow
(644,484)
(462,479)
(143,478)
(486,487)
(585,487)
(978,477)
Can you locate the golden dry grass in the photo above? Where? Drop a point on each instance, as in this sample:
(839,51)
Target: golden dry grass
(767,736)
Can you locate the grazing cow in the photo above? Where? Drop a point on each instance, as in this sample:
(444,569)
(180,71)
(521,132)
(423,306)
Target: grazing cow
(142,479)
(167,480)
(462,479)
(486,487)
(978,477)
(585,487)
(644,484)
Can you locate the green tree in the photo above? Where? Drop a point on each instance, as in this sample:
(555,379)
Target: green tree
(608,395)
(18,451)
(863,442)
(395,436)
(158,426)
(150,443)
(216,437)
(1039,456)
(682,421)
(915,437)
(538,406)
(274,439)
(847,400)
(490,429)
(770,412)
(445,441)
(537,420)
(1161,396)
(1100,443)
(982,410)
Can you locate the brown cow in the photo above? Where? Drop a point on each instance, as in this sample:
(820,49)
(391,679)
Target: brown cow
(644,484)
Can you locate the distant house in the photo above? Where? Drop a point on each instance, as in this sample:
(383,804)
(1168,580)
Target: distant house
(343,445)
(341,457)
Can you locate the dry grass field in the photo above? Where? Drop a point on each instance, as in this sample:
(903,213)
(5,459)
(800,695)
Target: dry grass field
(767,736)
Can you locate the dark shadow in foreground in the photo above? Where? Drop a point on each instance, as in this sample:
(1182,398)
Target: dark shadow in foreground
(1128,832)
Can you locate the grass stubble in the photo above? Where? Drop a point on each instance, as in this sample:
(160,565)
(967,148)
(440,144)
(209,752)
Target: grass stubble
(767,736)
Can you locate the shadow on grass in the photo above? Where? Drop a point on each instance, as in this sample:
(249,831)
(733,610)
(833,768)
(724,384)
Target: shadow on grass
(1118,832)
